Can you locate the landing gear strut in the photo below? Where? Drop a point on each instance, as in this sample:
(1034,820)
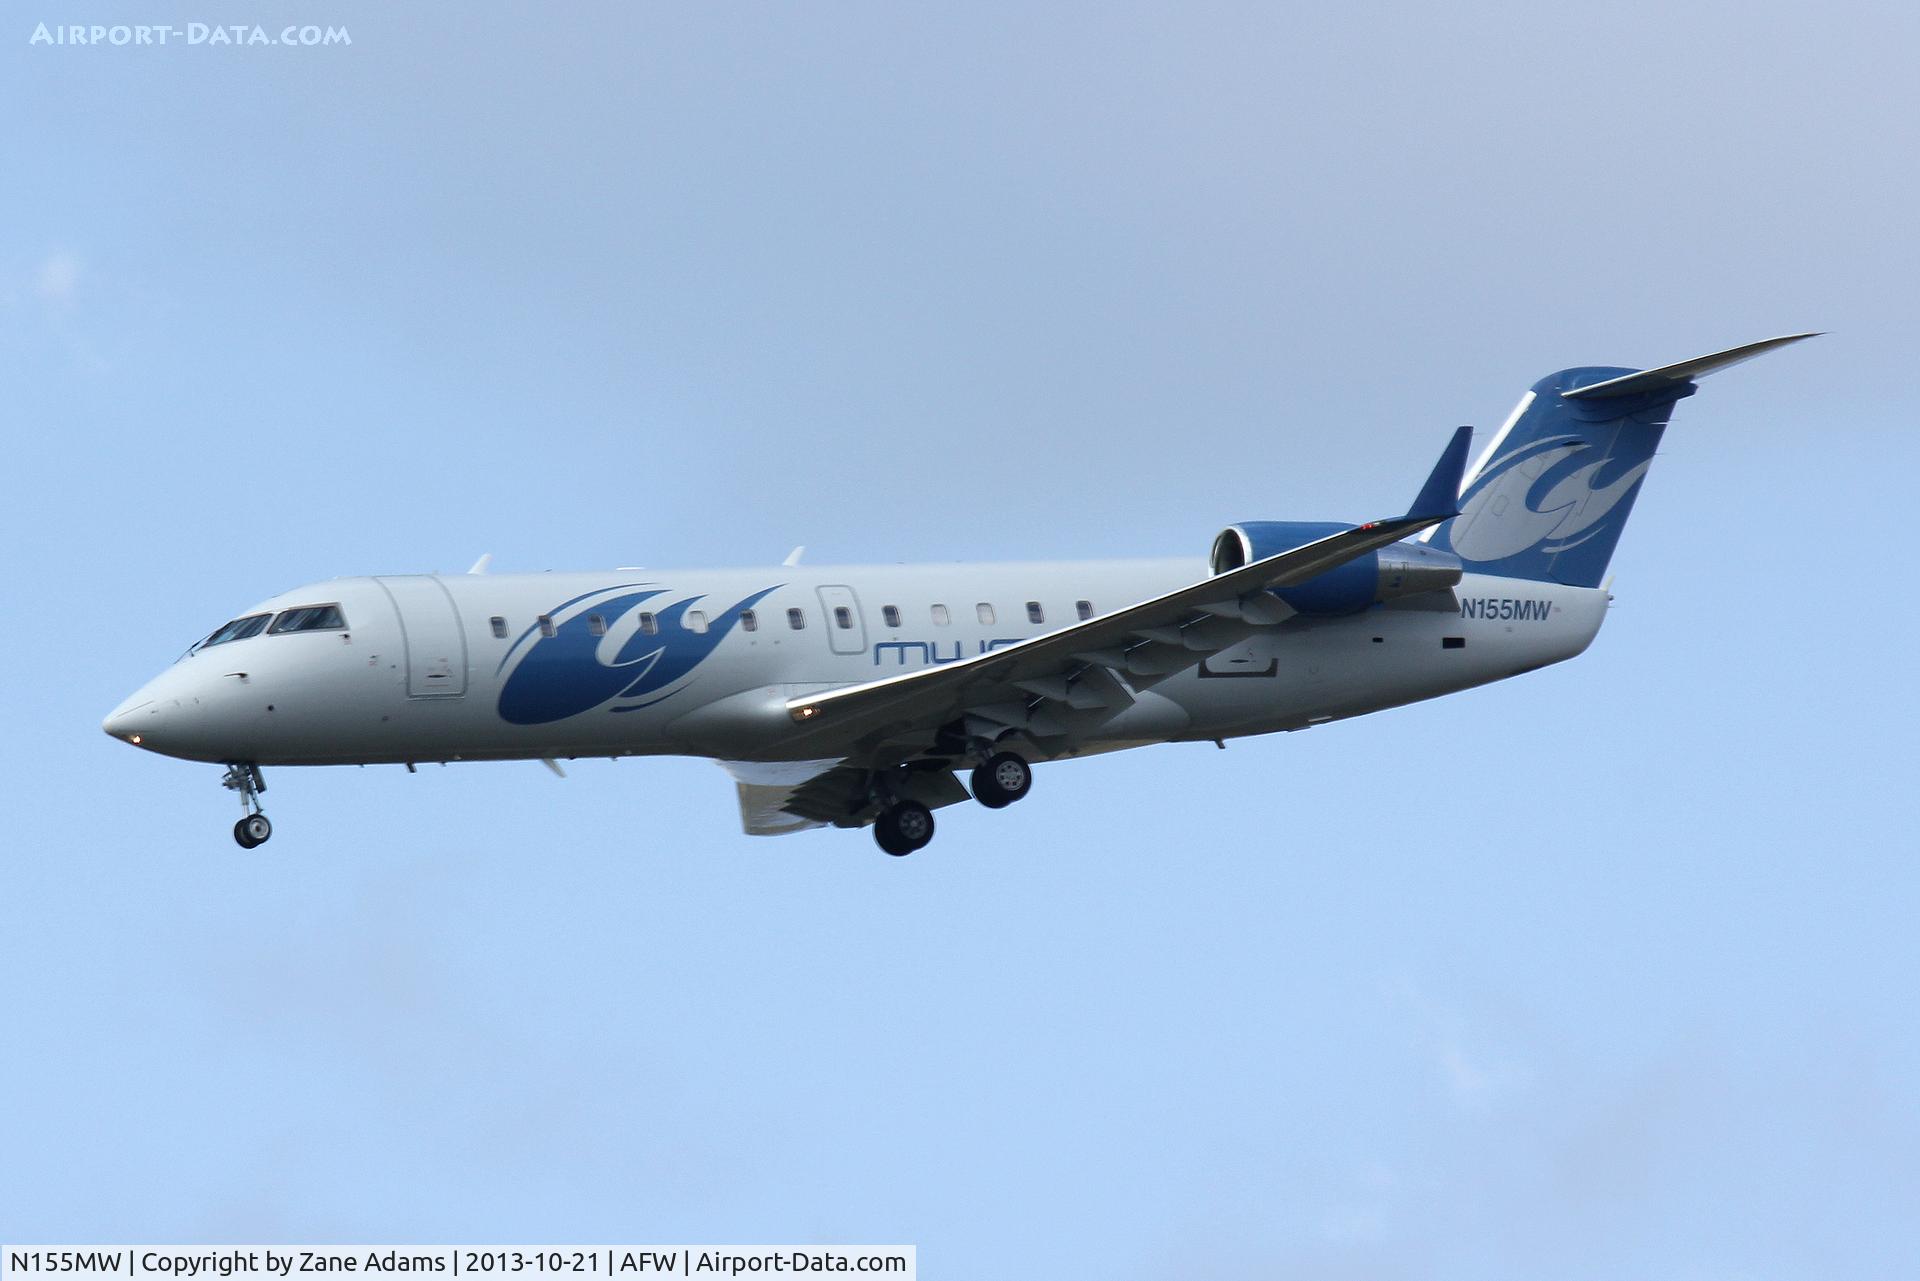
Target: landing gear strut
(254,829)
(1001,780)
(903,827)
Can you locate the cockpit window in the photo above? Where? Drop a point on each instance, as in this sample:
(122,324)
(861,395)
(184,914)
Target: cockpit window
(309,618)
(238,629)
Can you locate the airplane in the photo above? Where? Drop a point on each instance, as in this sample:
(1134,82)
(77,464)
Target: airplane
(856,695)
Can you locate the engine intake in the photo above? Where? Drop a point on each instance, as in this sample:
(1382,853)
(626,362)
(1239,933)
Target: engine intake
(1401,569)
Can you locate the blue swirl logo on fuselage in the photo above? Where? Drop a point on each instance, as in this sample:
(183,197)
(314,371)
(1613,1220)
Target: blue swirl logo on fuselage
(586,664)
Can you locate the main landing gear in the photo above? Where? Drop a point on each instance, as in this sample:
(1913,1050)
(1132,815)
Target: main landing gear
(254,829)
(1001,779)
(905,825)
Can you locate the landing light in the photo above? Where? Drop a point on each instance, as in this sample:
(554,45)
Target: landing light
(134,739)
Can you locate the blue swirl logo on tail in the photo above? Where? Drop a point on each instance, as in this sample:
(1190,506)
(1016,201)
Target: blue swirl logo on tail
(585,665)
(1553,493)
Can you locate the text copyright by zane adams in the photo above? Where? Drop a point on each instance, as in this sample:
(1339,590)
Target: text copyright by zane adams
(124,35)
(491,1262)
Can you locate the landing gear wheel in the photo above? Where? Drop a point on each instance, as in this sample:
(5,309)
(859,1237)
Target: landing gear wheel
(1002,780)
(903,827)
(244,778)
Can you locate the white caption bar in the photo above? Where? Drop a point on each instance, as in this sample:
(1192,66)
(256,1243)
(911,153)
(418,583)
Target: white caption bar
(200,1262)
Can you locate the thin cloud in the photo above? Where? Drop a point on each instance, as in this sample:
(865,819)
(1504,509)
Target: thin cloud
(57,279)
(1472,1070)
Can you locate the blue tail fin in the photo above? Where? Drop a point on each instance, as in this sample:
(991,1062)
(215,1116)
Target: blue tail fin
(1552,492)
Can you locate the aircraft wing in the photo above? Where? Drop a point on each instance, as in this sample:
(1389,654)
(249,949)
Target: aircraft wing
(767,790)
(1044,684)
(778,797)
(764,812)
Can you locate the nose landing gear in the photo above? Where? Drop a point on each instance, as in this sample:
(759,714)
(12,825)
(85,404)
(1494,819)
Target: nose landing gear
(254,829)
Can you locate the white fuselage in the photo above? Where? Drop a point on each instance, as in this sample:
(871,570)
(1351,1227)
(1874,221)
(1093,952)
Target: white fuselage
(443,668)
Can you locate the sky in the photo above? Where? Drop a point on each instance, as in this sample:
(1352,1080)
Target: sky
(1607,970)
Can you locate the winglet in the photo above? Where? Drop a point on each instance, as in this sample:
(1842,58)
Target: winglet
(1440,496)
(1670,376)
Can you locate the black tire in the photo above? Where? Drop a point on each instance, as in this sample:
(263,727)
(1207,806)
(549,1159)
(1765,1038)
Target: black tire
(903,827)
(252,831)
(1003,779)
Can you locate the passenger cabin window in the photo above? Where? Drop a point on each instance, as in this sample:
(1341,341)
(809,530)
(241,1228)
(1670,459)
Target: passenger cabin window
(749,621)
(1034,613)
(309,618)
(238,629)
(985,611)
(499,626)
(796,618)
(1084,608)
(596,625)
(696,620)
(649,625)
(843,618)
(940,618)
(890,615)
(546,626)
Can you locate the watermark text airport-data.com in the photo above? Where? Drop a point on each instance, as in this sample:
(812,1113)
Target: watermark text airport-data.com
(123,35)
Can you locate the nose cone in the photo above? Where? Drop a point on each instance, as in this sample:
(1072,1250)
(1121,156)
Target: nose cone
(134,720)
(194,711)
(160,715)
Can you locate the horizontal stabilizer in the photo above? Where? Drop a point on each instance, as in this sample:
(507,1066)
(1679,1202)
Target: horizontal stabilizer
(1670,376)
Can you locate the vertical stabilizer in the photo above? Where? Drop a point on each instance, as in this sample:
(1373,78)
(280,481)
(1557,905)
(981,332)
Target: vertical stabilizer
(1550,495)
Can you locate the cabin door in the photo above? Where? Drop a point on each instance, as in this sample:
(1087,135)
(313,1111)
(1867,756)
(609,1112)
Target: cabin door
(430,626)
(846,629)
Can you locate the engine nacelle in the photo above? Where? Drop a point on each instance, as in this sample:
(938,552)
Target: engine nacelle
(1401,569)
